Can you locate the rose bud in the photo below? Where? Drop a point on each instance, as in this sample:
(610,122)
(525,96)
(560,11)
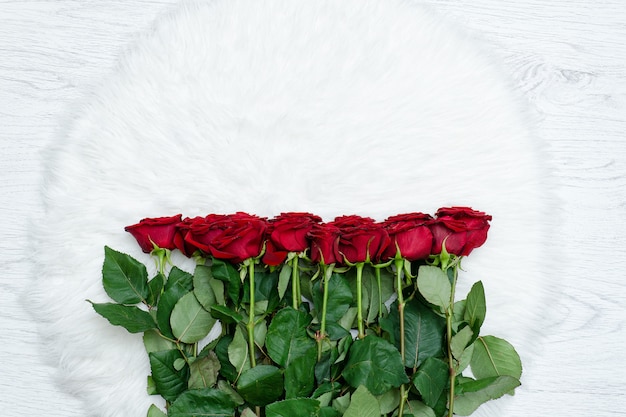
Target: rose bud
(288,233)
(462,228)
(158,231)
(361,239)
(324,243)
(410,234)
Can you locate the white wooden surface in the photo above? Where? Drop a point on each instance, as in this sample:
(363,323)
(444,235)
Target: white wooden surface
(567,57)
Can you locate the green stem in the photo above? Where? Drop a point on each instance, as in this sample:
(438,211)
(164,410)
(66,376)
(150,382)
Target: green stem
(326,278)
(449,317)
(399,264)
(380,293)
(295,283)
(251,315)
(359,298)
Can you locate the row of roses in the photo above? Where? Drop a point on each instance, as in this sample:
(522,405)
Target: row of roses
(347,239)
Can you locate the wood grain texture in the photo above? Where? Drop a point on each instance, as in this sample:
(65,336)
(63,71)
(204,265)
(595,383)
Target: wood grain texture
(566,59)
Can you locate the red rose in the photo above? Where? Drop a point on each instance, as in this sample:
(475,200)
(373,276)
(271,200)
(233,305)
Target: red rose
(288,233)
(182,230)
(233,237)
(409,233)
(324,243)
(360,239)
(199,232)
(160,230)
(463,228)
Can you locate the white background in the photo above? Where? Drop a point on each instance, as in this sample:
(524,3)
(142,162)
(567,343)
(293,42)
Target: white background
(568,58)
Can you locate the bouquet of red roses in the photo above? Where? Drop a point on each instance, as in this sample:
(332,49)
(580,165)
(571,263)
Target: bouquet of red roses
(292,316)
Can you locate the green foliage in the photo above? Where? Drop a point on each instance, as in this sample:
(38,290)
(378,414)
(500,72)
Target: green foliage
(203,372)
(299,371)
(261,385)
(363,404)
(478,392)
(434,285)
(495,357)
(297,407)
(190,322)
(287,338)
(129,317)
(431,380)
(124,278)
(168,381)
(376,364)
(207,402)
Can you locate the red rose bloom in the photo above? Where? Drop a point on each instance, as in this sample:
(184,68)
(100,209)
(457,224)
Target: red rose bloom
(462,228)
(324,243)
(160,230)
(235,237)
(409,233)
(182,230)
(360,239)
(198,232)
(288,233)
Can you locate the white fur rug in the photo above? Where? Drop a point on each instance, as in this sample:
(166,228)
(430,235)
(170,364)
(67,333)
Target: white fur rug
(372,107)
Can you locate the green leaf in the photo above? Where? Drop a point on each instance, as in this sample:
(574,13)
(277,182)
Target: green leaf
(203,372)
(261,385)
(339,297)
(418,409)
(155,288)
(299,380)
(238,352)
(226,272)
(328,412)
(124,278)
(494,357)
(342,403)
(230,391)
(465,358)
(202,287)
(265,293)
(375,363)
(286,337)
(225,314)
(476,307)
(431,380)
(460,341)
(168,381)
(131,318)
(480,391)
(178,277)
(207,402)
(297,407)
(154,342)
(190,322)
(154,411)
(260,332)
(227,370)
(423,331)
(389,401)
(363,404)
(434,285)
(178,284)
(284,278)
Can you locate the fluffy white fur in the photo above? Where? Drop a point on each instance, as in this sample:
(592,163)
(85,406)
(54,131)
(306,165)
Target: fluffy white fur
(372,107)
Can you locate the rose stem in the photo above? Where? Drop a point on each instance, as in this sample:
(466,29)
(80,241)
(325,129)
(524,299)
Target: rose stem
(327,273)
(251,314)
(449,316)
(380,293)
(359,298)
(399,264)
(295,283)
